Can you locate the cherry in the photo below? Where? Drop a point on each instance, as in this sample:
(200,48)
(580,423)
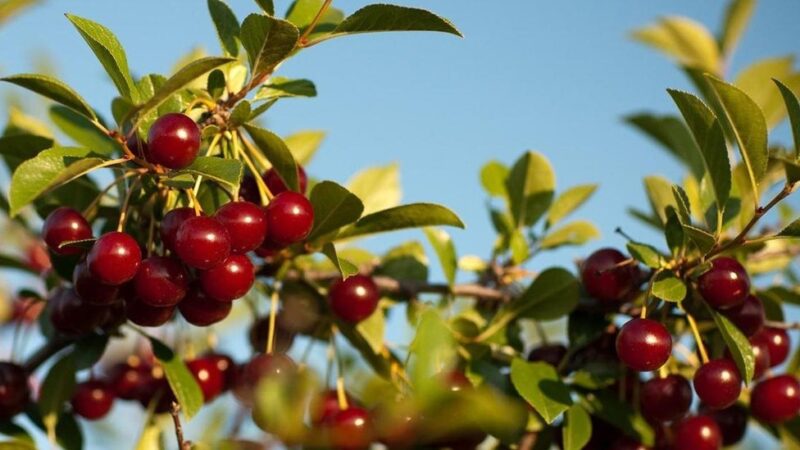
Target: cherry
(732,422)
(202,242)
(777,341)
(230,280)
(725,285)
(396,423)
(72,316)
(14,390)
(200,310)
(65,225)
(173,141)
(145,315)
(300,310)
(552,354)
(456,381)
(643,344)
(138,147)
(290,217)
(604,278)
(246,224)
(208,376)
(718,383)
(626,443)
(354,298)
(350,429)
(259,334)
(128,380)
(225,366)
(748,316)
(37,258)
(170,224)
(276,185)
(90,289)
(325,405)
(261,366)
(761,354)
(248,190)
(698,433)
(114,258)
(92,400)
(665,399)
(776,399)
(161,281)
(157,387)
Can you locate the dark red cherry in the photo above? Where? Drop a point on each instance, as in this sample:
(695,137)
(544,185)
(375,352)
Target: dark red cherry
(65,225)
(208,376)
(276,185)
(776,399)
(173,141)
(230,280)
(114,258)
(290,217)
(161,281)
(698,433)
(71,315)
(718,383)
(157,387)
(732,422)
(170,224)
(355,298)
(665,399)
(761,354)
(246,224)
(225,366)
(14,390)
(552,354)
(200,310)
(261,366)
(604,278)
(748,316)
(456,381)
(138,147)
(643,344)
(350,429)
(325,405)
(259,334)
(725,285)
(145,315)
(90,289)
(92,400)
(127,380)
(248,190)
(202,242)
(778,343)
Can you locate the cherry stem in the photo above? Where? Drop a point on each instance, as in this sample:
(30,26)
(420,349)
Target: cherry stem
(198,210)
(123,215)
(340,392)
(310,29)
(263,190)
(698,339)
(87,212)
(783,325)
(273,313)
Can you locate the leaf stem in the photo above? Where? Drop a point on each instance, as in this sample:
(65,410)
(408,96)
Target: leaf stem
(341,395)
(310,28)
(123,215)
(273,313)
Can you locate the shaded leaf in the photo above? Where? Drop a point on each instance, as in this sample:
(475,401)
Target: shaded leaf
(606,406)
(345,267)
(405,216)
(674,136)
(80,130)
(738,345)
(377,187)
(334,207)
(793,107)
(304,144)
(568,201)
(18,148)
(267,41)
(673,232)
(381,17)
(56,390)
(552,295)
(54,90)
(577,428)
(737,15)
(574,233)
(277,153)
(281,87)
(540,385)
(701,238)
(683,39)
(756,79)
(372,329)
(180,379)
(225,171)
(446,251)
(226,24)
(668,287)
(530,185)
(646,254)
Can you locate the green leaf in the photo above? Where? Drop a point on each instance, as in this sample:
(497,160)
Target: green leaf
(684,206)
(443,245)
(406,216)
(224,171)
(568,201)
(381,17)
(577,428)
(56,390)
(89,349)
(303,12)
(520,249)
(755,80)
(267,5)
(674,136)
(109,52)
(240,114)
(792,230)
(377,187)
(578,232)
(180,379)
(81,130)
(493,178)
(215,84)
(345,267)
(530,185)
(47,171)
(277,153)
(334,207)
(606,406)
(683,39)
(68,432)
(304,144)
(793,107)
(646,254)
(372,329)
(660,195)
(226,24)
(433,348)
(552,295)
(738,345)
(16,445)
(54,90)
(268,41)
(18,148)
(673,232)
(407,261)
(702,239)
(668,287)
(282,87)
(539,384)
(737,15)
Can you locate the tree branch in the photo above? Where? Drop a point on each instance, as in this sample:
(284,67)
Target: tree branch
(44,353)
(182,444)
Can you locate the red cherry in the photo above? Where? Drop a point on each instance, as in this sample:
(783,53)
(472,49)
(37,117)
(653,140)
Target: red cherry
(355,298)
(161,281)
(246,224)
(200,310)
(604,278)
(138,147)
(718,383)
(276,185)
(90,289)
(776,399)
(761,354)
(225,366)
(208,376)
(173,141)
(698,433)
(777,341)
(725,285)
(72,316)
(37,258)
(748,316)
(145,315)
(128,380)
(350,429)
(14,390)
(170,224)
(259,334)
(290,217)
(324,406)
(157,387)
(114,258)
(552,354)
(92,400)
(456,381)
(202,243)
(643,344)
(732,422)
(65,225)
(665,399)
(261,366)
(230,280)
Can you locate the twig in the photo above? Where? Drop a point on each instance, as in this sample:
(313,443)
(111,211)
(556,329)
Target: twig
(44,353)
(783,325)
(182,444)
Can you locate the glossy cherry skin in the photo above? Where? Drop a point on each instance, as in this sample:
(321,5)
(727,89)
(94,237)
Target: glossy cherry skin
(208,376)
(145,315)
(128,380)
(171,223)
(276,185)
(761,354)
(64,225)
(718,383)
(202,242)
(324,406)
(725,285)
(776,399)
(114,258)
(230,280)
(603,279)
(14,390)
(161,281)
(350,429)
(552,354)
(643,344)
(225,366)
(354,298)
(778,344)
(200,310)
(92,400)
(157,386)
(71,315)
(246,224)
(748,316)
(732,422)
(698,433)
(259,334)
(290,217)
(90,289)
(665,399)
(173,141)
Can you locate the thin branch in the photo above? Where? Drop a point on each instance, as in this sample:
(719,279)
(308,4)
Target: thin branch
(783,325)
(182,444)
(45,352)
